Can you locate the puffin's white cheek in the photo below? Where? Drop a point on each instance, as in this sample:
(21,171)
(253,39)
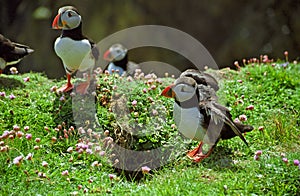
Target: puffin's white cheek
(74,22)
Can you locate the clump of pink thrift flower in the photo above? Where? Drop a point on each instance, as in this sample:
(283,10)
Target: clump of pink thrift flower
(296,162)
(19,134)
(26,79)
(28,136)
(112,176)
(13,70)
(95,164)
(261,128)
(243,117)
(70,149)
(26,128)
(145,169)
(257,155)
(29,156)
(134,102)
(65,173)
(285,160)
(17,161)
(53,88)
(154,112)
(12,96)
(259,152)
(250,107)
(45,164)
(16,128)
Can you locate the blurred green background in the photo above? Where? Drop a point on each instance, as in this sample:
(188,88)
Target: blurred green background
(230,29)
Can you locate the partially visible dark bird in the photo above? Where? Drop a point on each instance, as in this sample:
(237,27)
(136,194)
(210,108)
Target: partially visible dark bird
(118,60)
(76,51)
(11,52)
(198,115)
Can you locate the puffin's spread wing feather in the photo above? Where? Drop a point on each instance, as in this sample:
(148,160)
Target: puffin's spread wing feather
(219,116)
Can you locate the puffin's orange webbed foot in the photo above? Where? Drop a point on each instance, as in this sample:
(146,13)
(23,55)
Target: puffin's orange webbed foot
(65,88)
(197,154)
(191,154)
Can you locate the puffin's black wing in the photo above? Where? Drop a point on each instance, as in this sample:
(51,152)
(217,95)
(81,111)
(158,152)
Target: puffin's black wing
(220,116)
(95,50)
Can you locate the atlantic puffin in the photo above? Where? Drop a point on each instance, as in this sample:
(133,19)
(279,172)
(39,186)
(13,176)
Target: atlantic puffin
(12,53)
(199,116)
(76,51)
(117,57)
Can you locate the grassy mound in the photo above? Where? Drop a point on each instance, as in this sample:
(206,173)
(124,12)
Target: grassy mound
(69,144)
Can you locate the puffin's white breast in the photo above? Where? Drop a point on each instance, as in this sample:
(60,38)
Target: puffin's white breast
(2,63)
(188,122)
(75,54)
(112,66)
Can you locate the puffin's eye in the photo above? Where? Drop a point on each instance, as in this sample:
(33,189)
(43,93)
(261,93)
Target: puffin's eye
(69,14)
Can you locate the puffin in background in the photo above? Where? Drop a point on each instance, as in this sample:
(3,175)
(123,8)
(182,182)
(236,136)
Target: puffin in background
(199,116)
(75,50)
(118,60)
(12,53)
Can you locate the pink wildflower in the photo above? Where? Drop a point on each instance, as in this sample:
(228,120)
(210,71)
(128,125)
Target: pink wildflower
(19,134)
(261,128)
(16,128)
(26,79)
(29,156)
(102,153)
(112,176)
(250,107)
(17,161)
(155,112)
(285,160)
(45,164)
(36,147)
(258,153)
(145,169)
(243,117)
(134,102)
(70,149)
(12,96)
(65,173)
(28,136)
(95,164)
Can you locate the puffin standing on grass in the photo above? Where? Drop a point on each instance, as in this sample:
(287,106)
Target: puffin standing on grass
(12,53)
(76,51)
(199,116)
(118,57)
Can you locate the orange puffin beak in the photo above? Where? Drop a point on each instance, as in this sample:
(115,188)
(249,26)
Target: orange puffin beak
(107,56)
(168,92)
(57,23)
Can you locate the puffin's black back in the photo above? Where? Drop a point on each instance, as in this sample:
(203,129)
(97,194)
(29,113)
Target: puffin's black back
(201,78)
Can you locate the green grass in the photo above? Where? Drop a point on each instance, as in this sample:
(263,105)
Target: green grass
(272,89)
